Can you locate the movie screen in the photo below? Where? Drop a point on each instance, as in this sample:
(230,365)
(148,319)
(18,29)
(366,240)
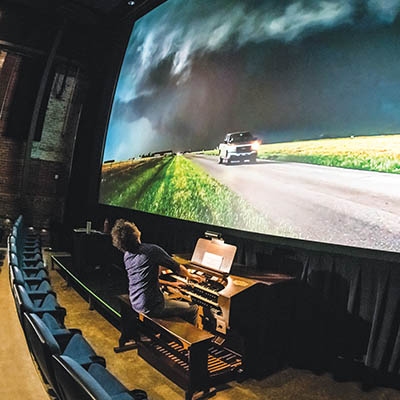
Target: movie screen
(274,117)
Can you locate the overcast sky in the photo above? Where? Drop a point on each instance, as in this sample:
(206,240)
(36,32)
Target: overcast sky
(285,70)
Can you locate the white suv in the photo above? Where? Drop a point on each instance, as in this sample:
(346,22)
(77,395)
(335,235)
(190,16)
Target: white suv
(238,146)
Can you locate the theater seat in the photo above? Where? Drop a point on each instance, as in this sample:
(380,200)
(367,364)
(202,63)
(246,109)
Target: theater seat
(25,249)
(32,278)
(43,345)
(35,265)
(58,330)
(38,304)
(97,382)
(31,275)
(32,286)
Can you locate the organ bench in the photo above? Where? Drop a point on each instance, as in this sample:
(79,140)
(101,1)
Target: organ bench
(190,357)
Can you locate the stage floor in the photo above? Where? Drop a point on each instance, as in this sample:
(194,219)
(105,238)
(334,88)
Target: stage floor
(103,283)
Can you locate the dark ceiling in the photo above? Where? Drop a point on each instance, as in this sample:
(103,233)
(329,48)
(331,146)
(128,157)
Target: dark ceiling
(86,11)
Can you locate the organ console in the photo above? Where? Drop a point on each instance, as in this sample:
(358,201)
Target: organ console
(245,323)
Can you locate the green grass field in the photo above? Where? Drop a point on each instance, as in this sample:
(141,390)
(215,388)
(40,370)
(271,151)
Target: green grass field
(174,186)
(372,153)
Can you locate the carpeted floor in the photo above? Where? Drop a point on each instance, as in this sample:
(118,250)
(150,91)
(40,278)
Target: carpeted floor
(134,372)
(19,377)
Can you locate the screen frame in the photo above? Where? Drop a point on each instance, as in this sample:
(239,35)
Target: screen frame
(197,227)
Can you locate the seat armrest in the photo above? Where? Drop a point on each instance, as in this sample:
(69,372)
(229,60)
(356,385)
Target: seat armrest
(38,295)
(33,294)
(35,281)
(32,269)
(63,339)
(138,394)
(99,360)
(75,331)
(59,313)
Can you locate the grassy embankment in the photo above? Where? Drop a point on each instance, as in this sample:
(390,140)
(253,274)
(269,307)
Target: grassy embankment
(372,153)
(176,187)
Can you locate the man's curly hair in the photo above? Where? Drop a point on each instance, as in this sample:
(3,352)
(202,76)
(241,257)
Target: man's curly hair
(125,235)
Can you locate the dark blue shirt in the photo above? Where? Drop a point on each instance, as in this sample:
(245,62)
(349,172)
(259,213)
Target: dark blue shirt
(142,268)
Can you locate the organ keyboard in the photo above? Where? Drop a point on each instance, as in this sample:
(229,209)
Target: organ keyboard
(203,293)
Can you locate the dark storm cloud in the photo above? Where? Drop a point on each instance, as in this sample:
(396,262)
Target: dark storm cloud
(192,28)
(187,29)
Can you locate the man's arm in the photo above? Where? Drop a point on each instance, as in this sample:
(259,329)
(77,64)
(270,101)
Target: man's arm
(184,272)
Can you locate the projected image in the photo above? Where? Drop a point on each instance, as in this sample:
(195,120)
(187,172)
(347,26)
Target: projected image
(280,118)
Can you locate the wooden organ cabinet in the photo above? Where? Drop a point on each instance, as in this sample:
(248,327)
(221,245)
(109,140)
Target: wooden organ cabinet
(246,321)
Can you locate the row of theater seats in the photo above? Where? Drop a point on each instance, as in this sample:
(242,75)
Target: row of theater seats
(67,362)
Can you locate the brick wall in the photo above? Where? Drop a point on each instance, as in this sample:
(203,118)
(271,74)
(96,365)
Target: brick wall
(43,200)
(11,151)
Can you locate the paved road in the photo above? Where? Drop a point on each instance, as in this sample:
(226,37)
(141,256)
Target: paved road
(324,204)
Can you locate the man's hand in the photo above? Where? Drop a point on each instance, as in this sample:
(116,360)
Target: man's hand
(177,284)
(189,276)
(196,278)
